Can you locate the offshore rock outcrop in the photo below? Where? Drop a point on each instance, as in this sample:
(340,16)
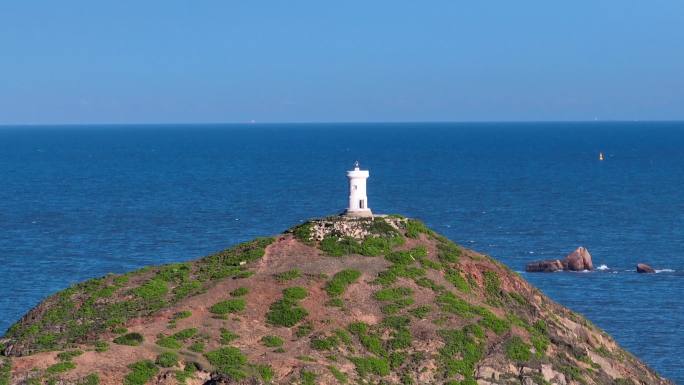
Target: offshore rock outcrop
(331,301)
(578,260)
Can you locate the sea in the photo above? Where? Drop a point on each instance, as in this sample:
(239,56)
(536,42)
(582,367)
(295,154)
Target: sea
(78,202)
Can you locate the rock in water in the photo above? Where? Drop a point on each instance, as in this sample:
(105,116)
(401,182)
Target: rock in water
(547,266)
(644,268)
(579,260)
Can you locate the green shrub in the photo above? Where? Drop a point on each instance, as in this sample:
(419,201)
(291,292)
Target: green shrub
(101,346)
(154,289)
(272,341)
(324,343)
(459,343)
(228,361)
(91,379)
(308,378)
(228,336)
(168,342)
(421,311)
(288,275)
(517,350)
(188,371)
(415,227)
(187,289)
(294,293)
(339,376)
(167,359)
(130,339)
(456,279)
(392,294)
(448,252)
(228,306)
(182,314)
(372,343)
(339,282)
(69,355)
(141,373)
(197,347)
(304,330)
(5,370)
(184,334)
(371,365)
(239,292)
(338,247)
(492,285)
(285,313)
(494,323)
(303,232)
(60,367)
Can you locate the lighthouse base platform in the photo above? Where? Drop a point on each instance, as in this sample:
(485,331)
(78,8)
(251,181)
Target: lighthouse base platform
(365,213)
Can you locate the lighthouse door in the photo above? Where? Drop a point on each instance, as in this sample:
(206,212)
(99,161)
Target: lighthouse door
(361,204)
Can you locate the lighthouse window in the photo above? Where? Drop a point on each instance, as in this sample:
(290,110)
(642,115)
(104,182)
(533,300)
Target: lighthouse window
(355,187)
(361,204)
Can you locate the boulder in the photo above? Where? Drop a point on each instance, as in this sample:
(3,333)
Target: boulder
(644,268)
(578,260)
(547,266)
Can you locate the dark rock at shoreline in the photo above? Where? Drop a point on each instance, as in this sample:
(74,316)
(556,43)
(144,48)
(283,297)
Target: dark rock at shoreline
(547,266)
(644,268)
(578,260)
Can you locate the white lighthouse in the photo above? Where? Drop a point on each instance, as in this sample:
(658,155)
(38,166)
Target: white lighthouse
(358,201)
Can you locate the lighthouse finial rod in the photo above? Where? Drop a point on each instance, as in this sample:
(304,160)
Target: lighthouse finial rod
(356,164)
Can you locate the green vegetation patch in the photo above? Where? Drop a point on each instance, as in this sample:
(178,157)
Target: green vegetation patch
(517,350)
(167,359)
(130,339)
(91,379)
(227,336)
(229,361)
(371,365)
(168,342)
(448,252)
(239,292)
(421,312)
(60,367)
(272,341)
(5,370)
(456,279)
(460,353)
(341,280)
(415,227)
(228,306)
(141,373)
(197,347)
(303,232)
(69,355)
(287,312)
(152,290)
(287,275)
(308,378)
(339,376)
(101,346)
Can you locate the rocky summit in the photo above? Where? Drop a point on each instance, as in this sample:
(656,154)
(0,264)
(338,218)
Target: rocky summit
(381,300)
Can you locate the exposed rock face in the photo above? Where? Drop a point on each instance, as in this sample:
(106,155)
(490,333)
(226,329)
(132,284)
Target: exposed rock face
(644,268)
(382,301)
(578,260)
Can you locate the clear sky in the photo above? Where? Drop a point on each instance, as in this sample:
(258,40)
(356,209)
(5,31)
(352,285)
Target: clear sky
(85,61)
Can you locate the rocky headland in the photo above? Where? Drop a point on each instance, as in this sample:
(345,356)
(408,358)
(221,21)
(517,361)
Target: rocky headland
(381,300)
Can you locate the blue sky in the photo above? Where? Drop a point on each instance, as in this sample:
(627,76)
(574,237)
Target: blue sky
(77,61)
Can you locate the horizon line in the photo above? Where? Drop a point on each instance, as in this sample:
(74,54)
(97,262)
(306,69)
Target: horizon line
(265,123)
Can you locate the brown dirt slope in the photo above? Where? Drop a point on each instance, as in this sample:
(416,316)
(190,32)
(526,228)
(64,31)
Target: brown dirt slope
(332,301)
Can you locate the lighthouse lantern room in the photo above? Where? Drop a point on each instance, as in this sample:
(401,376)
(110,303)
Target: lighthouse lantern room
(358,201)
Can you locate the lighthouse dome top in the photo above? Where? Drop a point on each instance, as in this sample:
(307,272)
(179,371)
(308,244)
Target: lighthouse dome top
(356,172)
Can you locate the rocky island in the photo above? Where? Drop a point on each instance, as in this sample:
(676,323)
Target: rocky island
(340,300)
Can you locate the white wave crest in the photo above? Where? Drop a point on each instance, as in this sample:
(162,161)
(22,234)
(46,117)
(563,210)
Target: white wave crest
(664,271)
(603,267)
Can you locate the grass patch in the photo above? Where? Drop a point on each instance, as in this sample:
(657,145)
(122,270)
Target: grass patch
(421,312)
(272,341)
(339,376)
(154,289)
(287,312)
(448,252)
(69,355)
(340,281)
(141,373)
(227,336)
(167,359)
(229,362)
(308,378)
(304,330)
(456,279)
(130,339)
(303,232)
(287,275)
(517,350)
(5,370)
(461,344)
(371,365)
(182,314)
(415,227)
(239,292)
(228,306)
(168,342)
(101,346)
(60,367)
(197,347)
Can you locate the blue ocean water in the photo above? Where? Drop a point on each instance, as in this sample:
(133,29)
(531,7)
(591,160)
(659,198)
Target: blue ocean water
(79,202)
